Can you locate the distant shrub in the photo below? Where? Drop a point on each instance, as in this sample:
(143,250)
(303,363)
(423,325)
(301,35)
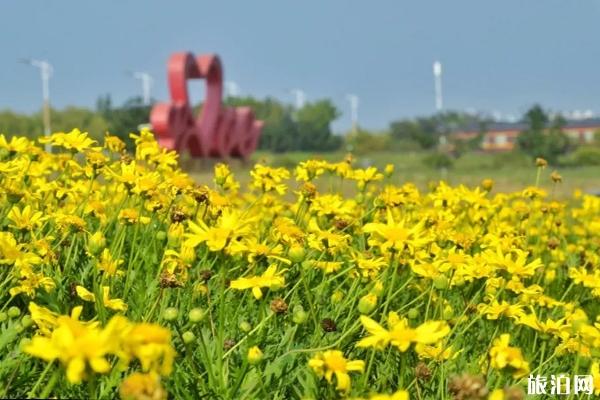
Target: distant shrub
(510,159)
(404,145)
(582,156)
(438,160)
(364,142)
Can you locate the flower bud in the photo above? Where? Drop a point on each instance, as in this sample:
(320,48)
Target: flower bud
(245,326)
(297,253)
(447,312)
(413,313)
(170,314)
(367,303)
(487,184)
(440,282)
(389,170)
(196,315)
(26,321)
(96,243)
(188,337)
(556,177)
(255,355)
(14,312)
(3,316)
(377,288)
(337,296)
(299,316)
(161,235)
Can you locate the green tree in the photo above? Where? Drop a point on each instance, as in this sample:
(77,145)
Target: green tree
(14,124)
(314,126)
(82,118)
(286,129)
(544,137)
(125,119)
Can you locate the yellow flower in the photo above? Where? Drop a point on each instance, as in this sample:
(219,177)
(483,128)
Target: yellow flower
(43,318)
(25,219)
(108,264)
(224,178)
(364,176)
(113,143)
(333,363)
(400,334)
(270,278)
(518,265)
(131,216)
(30,281)
(85,294)
(399,395)
(149,343)
(255,355)
(74,140)
(78,346)
(395,236)
(138,386)
(595,372)
(502,355)
(308,170)
(217,237)
(497,394)
(268,179)
(113,304)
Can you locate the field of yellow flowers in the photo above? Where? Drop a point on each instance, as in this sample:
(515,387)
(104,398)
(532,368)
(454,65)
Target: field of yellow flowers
(121,277)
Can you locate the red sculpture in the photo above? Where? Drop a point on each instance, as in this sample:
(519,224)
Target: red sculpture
(217,131)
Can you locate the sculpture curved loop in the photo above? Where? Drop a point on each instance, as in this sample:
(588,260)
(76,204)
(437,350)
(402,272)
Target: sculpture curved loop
(217,131)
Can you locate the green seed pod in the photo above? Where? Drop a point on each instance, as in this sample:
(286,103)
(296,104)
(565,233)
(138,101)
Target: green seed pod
(3,316)
(299,316)
(297,254)
(440,282)
(26,321)
(413,313)
(24,343)
(170,314)
(14,312)
(188,337)
(196,315)
(245,326)
(367,303)
(447,313)
(18,327)
(161,235)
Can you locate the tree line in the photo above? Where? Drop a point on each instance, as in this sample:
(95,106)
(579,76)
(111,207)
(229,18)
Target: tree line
(286,128)
(308,128)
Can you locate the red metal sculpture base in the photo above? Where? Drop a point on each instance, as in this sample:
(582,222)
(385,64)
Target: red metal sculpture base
(217,131)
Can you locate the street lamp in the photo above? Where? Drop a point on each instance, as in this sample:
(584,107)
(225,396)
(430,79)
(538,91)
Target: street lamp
(300,96)
(147,81)
(45,73)
(232,89)
(437,75)
(353,99)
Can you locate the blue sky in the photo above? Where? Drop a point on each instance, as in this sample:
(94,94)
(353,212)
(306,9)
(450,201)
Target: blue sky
(501,55)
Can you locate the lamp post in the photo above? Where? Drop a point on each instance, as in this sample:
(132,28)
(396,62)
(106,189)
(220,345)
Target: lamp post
(353,99)
(300,97)
(147,81)
(232,89)
(45,73)
(437,76)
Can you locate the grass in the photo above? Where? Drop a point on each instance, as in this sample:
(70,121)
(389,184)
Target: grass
(510,171)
